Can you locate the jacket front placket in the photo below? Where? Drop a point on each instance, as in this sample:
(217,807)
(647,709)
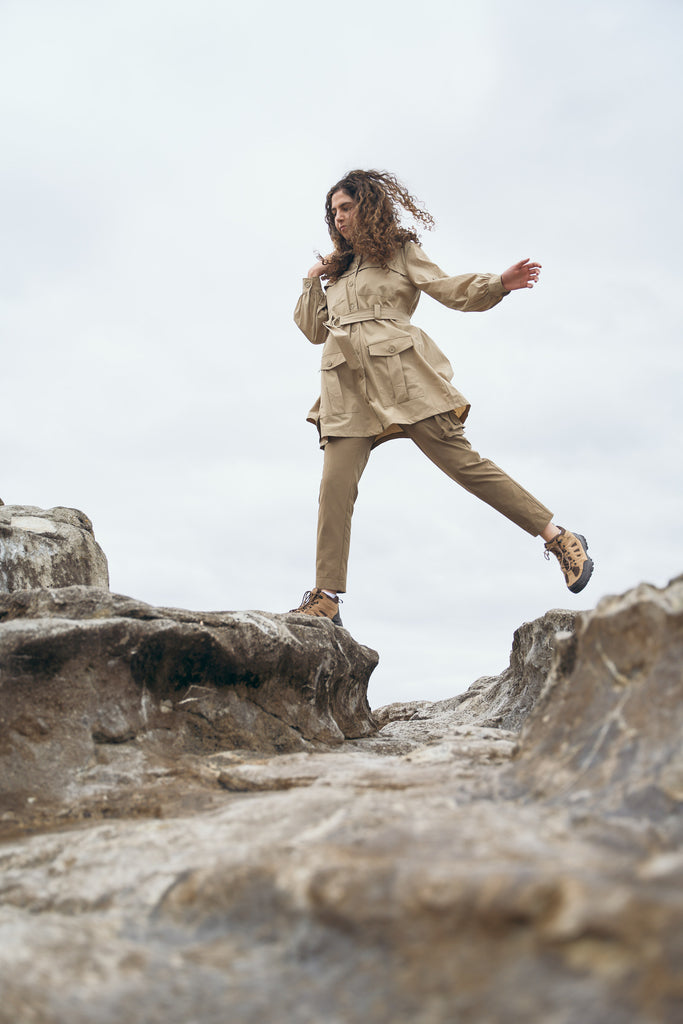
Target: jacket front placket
(355,331)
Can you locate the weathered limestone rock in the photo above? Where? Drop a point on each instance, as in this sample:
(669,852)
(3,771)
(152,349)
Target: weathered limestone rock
(500,702)
(48,548)
(504,701)
(441,870)
(608,727)
(98,689)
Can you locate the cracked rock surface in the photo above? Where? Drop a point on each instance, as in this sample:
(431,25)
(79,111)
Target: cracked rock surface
(510,855)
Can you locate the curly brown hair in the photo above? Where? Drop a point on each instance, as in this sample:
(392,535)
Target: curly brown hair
(377,233)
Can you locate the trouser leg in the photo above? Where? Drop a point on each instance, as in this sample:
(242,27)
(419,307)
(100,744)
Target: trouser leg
(443,440)
(344,462)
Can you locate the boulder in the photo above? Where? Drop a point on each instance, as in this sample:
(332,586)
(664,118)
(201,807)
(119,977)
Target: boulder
(99,691)
(48,548)
(606,730)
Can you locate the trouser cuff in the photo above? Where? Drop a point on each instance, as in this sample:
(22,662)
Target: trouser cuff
(330,583)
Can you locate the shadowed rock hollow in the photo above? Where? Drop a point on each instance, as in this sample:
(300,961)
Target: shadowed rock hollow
(103,695)
(227,833)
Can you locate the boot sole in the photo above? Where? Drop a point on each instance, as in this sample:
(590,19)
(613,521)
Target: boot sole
(587,570)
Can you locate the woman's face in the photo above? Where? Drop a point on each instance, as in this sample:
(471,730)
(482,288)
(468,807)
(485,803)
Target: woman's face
(344,213)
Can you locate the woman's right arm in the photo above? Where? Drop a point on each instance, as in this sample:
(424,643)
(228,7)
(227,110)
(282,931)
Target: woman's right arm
(311,309)
(317,270)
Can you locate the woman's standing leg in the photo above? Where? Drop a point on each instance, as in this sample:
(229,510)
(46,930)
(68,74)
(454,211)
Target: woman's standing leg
(345,460)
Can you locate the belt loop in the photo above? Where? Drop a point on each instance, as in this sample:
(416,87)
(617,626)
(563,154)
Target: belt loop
(377,311)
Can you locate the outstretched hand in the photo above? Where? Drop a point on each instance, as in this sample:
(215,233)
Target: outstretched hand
(524,274)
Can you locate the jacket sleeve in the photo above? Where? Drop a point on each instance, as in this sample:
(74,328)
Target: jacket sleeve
(467,292)
(311,311)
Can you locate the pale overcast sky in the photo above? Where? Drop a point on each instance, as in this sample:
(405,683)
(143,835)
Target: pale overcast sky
(163,169)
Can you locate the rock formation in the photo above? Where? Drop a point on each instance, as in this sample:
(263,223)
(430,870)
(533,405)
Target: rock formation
(96,685)
(607,730)
(226,835)
(53,548)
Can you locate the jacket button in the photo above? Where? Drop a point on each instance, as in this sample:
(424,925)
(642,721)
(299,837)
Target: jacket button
(392,348)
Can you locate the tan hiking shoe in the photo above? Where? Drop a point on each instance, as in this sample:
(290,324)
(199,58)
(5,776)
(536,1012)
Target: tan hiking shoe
(571,551)
(317,602)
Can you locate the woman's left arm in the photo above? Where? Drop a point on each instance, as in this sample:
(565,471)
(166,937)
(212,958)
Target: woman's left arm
(466,292)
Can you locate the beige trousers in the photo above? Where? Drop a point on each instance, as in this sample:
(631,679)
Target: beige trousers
(443,440)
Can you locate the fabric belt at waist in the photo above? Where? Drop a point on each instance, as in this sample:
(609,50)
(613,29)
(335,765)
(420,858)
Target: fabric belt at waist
(376,312)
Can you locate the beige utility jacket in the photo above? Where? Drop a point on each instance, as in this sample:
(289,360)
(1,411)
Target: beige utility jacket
(378,370)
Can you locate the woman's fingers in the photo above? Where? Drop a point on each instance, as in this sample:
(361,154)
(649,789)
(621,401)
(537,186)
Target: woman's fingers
(523,274)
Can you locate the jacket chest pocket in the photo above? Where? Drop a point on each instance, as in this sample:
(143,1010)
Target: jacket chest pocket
(332,397)
(390,366)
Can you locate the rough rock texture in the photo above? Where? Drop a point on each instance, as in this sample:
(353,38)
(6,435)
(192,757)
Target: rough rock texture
(48,548)
(96,685)
(442,870)
(503,701)
(608,728)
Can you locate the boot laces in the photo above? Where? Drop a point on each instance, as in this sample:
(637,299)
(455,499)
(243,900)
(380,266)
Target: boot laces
(306,600)
(568,561)
(311,598)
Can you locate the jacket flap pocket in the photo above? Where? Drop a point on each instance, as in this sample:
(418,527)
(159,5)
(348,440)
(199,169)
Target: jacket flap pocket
(331,359)
(390,346)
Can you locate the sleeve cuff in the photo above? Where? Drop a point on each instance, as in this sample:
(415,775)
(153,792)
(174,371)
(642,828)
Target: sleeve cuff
(496,288)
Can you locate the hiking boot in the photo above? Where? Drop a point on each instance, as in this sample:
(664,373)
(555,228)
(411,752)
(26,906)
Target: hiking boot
(316,602)
(571,551)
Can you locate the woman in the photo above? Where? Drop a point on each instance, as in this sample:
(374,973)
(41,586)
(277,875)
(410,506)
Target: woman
(382,377)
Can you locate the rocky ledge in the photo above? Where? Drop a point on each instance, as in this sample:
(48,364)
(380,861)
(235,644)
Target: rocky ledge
(102,696)
(275,853)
